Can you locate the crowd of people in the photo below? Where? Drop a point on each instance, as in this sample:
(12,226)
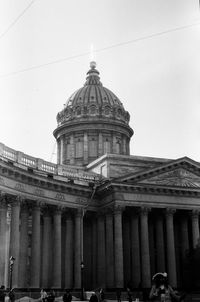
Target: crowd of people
(160,291)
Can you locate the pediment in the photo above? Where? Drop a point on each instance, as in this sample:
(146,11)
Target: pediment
(183,172)
(176,178)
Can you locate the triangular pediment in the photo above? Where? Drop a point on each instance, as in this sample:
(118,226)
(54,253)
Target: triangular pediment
(183,172)
(176,178)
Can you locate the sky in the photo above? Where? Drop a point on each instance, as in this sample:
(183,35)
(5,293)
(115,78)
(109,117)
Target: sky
(147,53)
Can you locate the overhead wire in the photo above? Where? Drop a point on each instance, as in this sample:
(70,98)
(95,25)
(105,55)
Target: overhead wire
(99,50)
(17,19)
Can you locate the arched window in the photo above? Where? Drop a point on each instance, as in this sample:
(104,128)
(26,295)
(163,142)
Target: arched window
(68,150)
(92,109)
(106,146)
(107,110)
(118,147)
(93,147)
(78,111)
(79,148)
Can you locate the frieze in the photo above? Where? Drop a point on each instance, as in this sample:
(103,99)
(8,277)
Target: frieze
(60,196)
(2,181)
(177,178)
(81,200)
(39,192)
(20,187)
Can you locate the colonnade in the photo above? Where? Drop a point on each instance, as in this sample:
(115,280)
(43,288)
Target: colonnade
(118,244)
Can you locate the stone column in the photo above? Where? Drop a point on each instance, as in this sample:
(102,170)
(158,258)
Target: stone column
(15,237)
(100,149)
(109,250)
(152,246)
(58,152)
(56,272)
(145,257)
(35,246)
(124,144)
(101,261)
(46,247)
(195,227)
(118,250)
(23,258)
(135,249)
(160,259)
(85,147)
(94,251)
(3,224)
(114,143)
(61,149)
(72,158)
(69,235)
(78,248)
(184,236)
(171,257)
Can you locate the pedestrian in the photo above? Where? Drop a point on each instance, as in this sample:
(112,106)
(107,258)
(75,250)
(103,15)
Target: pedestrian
(67,297)
(129,295)
(2,293)
(118,295)
(102,294)
(51,296)
(43,295)
(93,298)
(11,295)
(161,291)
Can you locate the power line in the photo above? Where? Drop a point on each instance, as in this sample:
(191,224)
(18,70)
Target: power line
(17,19)
(99,50)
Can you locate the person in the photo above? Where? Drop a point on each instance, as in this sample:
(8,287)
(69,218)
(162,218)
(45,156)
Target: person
(93,298)
(118,295)
(67,297)
(51,296)
(11,295)
(129,295)
(43,295)
(161,291)
(102,294)
(2,293)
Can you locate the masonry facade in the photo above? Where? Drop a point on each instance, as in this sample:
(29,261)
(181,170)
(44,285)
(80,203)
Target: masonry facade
(125,217)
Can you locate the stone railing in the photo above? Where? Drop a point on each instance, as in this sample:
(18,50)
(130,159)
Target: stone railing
(23,160)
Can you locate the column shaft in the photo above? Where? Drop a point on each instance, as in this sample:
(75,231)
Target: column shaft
(109,251)
(119,264)
(184,236)
(77,253)
(145,257)
(3,224)
(57,249)
(101,261)
(195,227)
(69,252)
(23,246)
(160,259)
(35,247)
(46,248)
(171,258)
(85,147)
(94,252)
(14,239)
(135,250)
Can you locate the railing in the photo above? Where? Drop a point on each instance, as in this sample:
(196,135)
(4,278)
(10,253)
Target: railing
(25,160)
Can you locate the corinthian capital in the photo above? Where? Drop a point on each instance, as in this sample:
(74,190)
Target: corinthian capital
(144,210)
(170,212)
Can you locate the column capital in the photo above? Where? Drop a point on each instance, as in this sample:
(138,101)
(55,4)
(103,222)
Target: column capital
(144,210)
(16,201)
(195,213)
(170,212)
(79,212)
(118,208)
(3,200)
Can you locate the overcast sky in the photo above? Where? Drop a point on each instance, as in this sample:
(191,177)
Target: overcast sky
(157,78)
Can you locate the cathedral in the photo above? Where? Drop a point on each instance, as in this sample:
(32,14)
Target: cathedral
(100,217)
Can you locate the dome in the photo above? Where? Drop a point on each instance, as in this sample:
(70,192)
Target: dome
(93,100)
(92,123)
